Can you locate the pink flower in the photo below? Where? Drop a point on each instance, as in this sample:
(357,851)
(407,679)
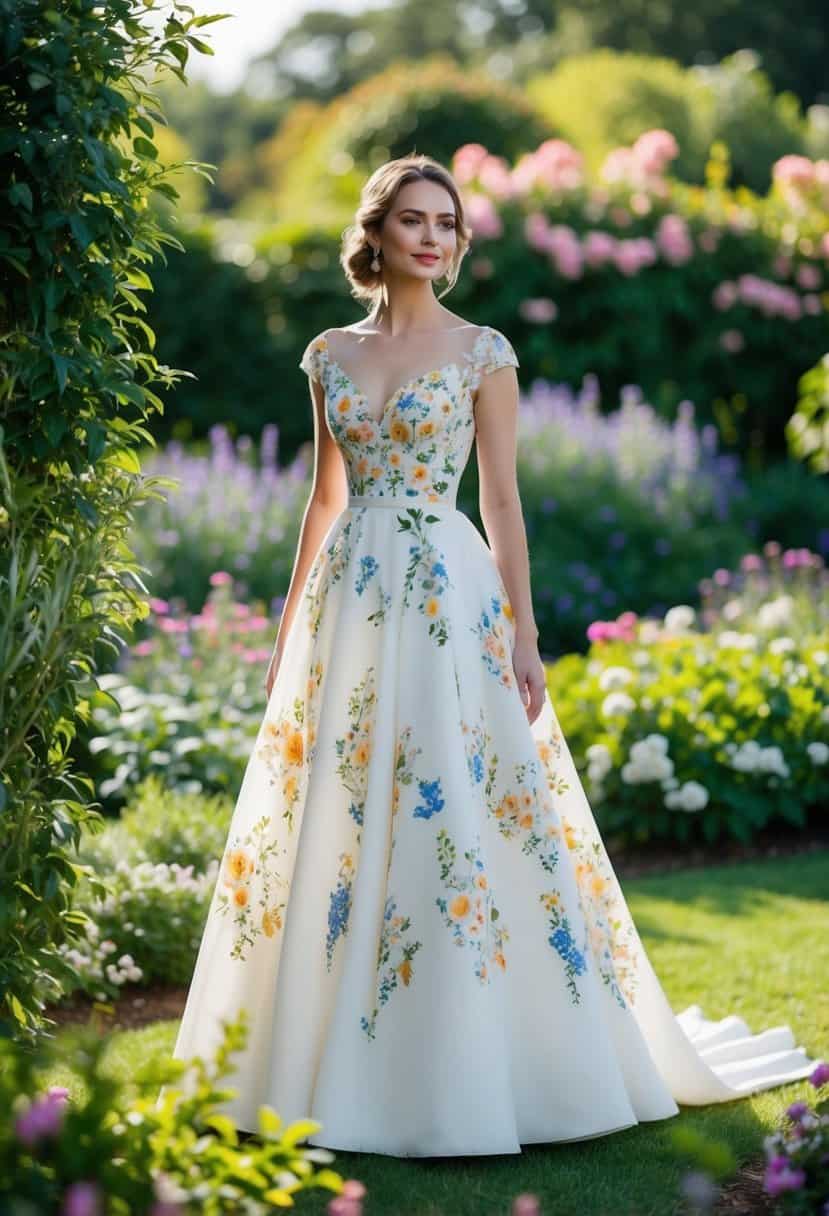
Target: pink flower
(159,607)
(482,216)
(732,341)
(751,561)
(777,1181)
(525,1204)
(82,1199)
(466,162)
(220,578)
(43,1118)
(171,624)
(724,295)
(482,268)
(796,171)
(653,149)
(808,276)
(820,1076)
(495,176)
(598,247)
(674,239)
(555,164)
(538,311)
(142,649)
(353,1189)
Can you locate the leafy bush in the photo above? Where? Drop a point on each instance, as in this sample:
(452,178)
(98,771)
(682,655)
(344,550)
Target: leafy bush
(691,735)
(76,394)
(123,1148)
(162,825)
(189,703)
(147,927)
(604,97)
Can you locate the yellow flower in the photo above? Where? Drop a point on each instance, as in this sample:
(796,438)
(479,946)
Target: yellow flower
(362,752)
(240,897)
(238,865)
(400,431)
(405,971)
(294,748)
(506,608)
(459,907)
(432,606)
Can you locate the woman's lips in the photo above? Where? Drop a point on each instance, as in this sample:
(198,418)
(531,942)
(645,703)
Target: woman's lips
(426,257)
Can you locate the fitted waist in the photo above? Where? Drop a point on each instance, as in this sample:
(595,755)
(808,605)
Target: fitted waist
(399,500)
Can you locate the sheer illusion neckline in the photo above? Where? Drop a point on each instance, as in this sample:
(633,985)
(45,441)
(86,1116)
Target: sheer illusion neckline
(377,419)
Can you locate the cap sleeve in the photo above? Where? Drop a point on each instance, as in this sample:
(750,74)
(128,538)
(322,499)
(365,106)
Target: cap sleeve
(313,358)
(493,350)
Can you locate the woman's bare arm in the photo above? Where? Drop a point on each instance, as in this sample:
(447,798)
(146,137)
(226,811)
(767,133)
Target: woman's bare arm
(328,497)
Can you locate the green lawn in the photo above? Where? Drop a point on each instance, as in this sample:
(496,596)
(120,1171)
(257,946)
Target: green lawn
(751,939)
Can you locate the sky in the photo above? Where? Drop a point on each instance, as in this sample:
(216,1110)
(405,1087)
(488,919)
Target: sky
(254,26)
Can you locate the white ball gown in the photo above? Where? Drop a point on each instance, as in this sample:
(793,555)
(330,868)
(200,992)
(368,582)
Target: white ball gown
(414,904)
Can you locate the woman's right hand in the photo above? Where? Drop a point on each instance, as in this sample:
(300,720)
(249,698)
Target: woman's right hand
(273,667)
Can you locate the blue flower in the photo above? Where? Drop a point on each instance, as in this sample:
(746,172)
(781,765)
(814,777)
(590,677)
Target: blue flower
(431,793)
(478,767)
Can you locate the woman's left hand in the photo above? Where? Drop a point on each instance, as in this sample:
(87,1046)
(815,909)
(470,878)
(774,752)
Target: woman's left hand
(530,675)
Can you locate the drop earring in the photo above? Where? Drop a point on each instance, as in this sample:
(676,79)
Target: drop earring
(375,265)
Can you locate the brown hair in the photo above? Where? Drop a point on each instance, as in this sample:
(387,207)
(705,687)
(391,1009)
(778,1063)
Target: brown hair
(376,198)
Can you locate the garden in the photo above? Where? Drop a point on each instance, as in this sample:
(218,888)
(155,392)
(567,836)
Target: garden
(662,270)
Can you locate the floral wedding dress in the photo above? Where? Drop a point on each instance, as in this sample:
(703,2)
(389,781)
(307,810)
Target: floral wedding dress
(414,904)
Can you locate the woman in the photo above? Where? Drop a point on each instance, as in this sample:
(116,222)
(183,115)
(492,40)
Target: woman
(414,903)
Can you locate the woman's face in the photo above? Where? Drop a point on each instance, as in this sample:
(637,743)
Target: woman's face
(421,221)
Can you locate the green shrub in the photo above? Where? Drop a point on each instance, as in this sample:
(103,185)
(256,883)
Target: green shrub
(124,1148)
(76,395)
(691,735)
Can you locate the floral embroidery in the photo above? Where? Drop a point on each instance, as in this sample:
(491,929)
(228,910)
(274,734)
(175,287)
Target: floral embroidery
(495,649)
(247,861)
(478,761)
(611,930)
(354,748)
(426,560)
(369,566)
(287,745)
(328,568)
(471,914)
(433,801)
(339,906)
(421,442)
(548,751)
(529,814)
(561,939)
(395,955)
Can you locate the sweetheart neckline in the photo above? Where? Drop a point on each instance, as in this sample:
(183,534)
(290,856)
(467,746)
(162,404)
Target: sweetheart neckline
(378,421)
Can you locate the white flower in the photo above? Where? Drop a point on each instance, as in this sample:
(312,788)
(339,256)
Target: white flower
(614,677)
(648,631)
(730,638)
(641,657)
(732,609)
(820,657)
(781,645)
(689,797)
(679,618)
(775,613)
(600,761)
(818,752)
(750,757)
(617,703)
(649,761)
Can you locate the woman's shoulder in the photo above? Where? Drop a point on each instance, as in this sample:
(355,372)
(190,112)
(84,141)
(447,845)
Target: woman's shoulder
(315,355)
(493,349)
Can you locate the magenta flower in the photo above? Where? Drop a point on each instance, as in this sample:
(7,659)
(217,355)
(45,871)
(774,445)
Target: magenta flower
(82,1199)
(220,578)
(820,1076)
(43,1118)
(159,607)
(797,1110)
(778,1181)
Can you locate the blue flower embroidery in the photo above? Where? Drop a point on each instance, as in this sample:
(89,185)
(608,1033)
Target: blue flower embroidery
(431,793)
(368,565)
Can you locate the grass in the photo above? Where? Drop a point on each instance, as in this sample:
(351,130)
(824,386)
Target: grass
(750,939)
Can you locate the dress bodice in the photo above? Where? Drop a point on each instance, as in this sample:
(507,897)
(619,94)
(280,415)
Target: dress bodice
(419,445)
